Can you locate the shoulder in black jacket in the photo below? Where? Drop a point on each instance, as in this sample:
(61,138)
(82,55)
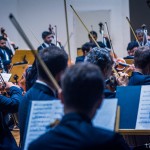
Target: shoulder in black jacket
(139,79)
(76,132)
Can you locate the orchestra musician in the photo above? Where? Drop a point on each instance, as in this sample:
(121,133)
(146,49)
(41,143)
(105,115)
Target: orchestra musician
(5,55)
(141,37)
(102,58)
(56,60)
(141,75)
(8,105)
(131,48)
(47,38)
(85,49)
(94,34)
(75,131)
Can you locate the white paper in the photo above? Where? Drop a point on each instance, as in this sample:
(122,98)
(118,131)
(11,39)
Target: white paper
(42,114)
(106,115)
(6,76)
(143,117)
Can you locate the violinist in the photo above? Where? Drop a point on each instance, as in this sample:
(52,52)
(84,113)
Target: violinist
(131,48)
(5,55)
(102,58)
(141,75)
(82,94)
(47,38)
(85,49)
(8,105)
(56,60)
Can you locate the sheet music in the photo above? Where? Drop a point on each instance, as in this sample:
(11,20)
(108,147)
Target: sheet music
(143,117)
(6,76)
(42,114)
(106,115)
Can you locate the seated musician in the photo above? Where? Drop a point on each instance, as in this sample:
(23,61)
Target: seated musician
(31,76)
(8,105)
(75,131)
(141,75)
(56,60)
(5,55)
(47,38)
(94,34)
(131,48)
(141,37)
(85,49)
(102,58)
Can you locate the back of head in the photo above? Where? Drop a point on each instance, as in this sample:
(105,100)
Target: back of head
(82,86)
(87,47)
(142,59)
(100,57)
(55,59)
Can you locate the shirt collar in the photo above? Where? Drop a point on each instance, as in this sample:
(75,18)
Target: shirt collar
(43,83)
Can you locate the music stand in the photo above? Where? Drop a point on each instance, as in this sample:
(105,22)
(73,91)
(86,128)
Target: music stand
(23,56)
(17,72)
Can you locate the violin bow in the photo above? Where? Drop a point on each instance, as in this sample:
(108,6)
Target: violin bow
(133,31)
(23,35)
(110,39)
(85,27)
(67,29)
(89,33)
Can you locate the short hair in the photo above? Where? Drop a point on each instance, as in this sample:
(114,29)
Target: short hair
(100,57)
(45,34)
(82,86)
(2,38)
(139,31)
(55,59)
(132,44)
(93,33)
(142,58)
(86,47)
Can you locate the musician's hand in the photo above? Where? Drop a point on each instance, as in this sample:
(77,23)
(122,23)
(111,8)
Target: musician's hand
(122,80)
(131,68)
(9,85)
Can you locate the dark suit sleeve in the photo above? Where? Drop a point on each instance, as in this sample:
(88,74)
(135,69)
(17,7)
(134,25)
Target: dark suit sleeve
(11,104)
(119,143)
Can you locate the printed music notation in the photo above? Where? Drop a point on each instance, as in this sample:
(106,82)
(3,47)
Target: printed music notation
(106,115)
(42,114)
(143,117)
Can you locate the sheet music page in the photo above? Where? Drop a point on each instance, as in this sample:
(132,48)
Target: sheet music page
(106,114)
(143,117)
(42,114)
(6,76)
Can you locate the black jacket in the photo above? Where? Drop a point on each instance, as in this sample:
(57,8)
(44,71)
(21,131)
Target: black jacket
(36,92)
(42,46)
(76,132)
(8,105)
(3,59)
(139,79)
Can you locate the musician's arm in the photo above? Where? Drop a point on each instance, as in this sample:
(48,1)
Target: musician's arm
(11,104)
